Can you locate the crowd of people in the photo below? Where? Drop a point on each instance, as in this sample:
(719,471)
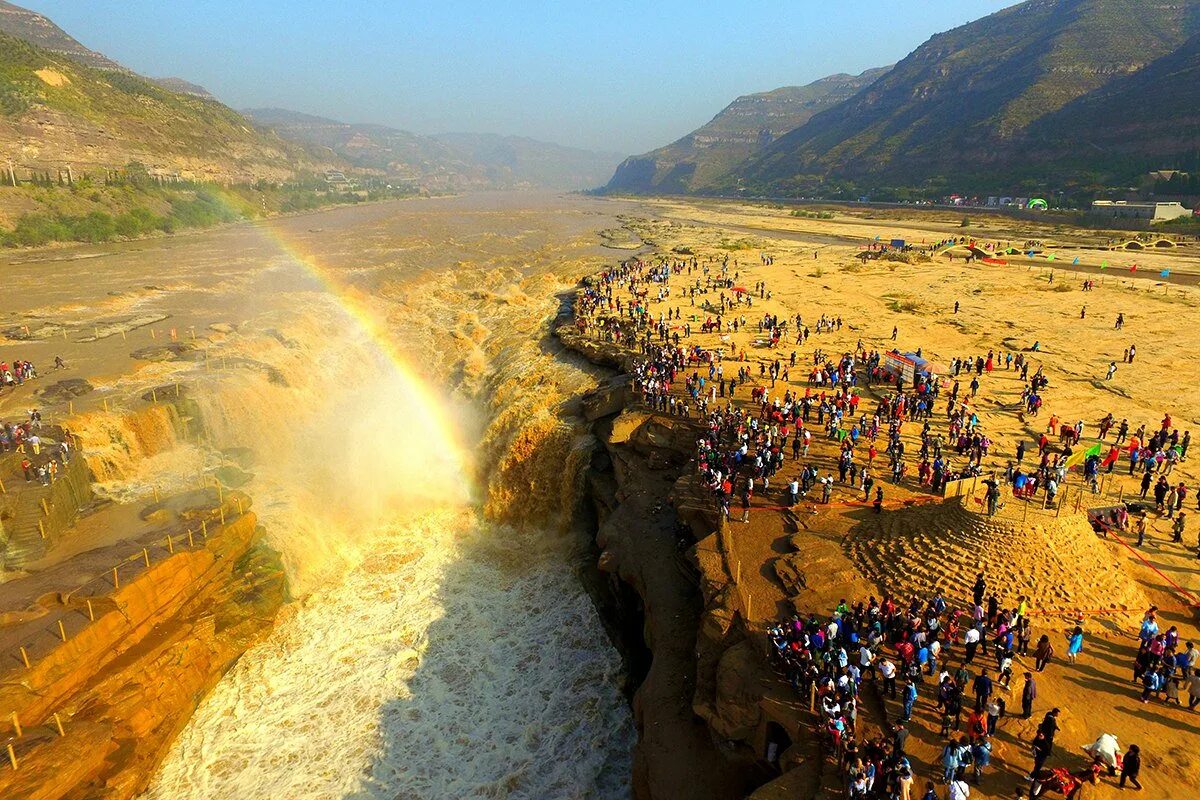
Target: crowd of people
(749,426)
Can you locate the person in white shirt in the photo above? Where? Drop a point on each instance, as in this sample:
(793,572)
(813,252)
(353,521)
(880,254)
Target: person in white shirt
(959,790)
(888,670)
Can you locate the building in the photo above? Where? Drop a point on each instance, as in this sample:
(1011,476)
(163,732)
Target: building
(1156,212)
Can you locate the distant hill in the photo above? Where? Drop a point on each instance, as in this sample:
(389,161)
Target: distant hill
(180,86)
(447,161)
(973,107)
(745,126)
(520,161)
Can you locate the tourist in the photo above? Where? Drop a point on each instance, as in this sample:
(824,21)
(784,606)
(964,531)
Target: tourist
(1074,644)
(1131,766)
(1028,695)
(1043,653)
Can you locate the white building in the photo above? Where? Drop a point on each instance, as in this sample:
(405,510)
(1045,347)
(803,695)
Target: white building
(1157,212)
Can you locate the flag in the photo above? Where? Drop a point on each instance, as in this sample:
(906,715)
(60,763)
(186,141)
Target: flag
(1031,253)
(1133,268)
(1050,257)
(1104,265)
(1166,273)
(1075,263)
(1081,456)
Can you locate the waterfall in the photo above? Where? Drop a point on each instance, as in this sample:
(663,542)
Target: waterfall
(443,646)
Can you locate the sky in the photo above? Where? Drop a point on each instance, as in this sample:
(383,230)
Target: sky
(611,75)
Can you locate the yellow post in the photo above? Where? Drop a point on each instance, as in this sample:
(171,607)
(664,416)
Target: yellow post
(91,611)
(24,656)
(45,507)
(12,757)
(106,405)
(124,338)
(71,407)
(116,579)
(204,528)
(17,725)
(170,545)
(153,335)
(146,556)
(58,724)
(62,631)
(191,542)
(239,506)
(42,528)
(3,490)
(154,396)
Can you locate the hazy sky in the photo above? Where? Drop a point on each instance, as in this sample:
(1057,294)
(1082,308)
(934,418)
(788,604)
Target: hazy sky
(604,74)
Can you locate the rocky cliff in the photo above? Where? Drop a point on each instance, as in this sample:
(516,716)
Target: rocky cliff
(108,644)
(708,705)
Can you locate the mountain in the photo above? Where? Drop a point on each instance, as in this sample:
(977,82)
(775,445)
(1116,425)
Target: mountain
(455,162)
(32,27)
(56,112)
(746,125)
(63,105)
(970,106)
(1136,123)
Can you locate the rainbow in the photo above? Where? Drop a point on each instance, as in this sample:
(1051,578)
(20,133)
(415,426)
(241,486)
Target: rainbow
(372,325)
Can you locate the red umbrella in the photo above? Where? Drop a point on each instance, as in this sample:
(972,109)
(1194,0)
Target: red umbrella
(739,289)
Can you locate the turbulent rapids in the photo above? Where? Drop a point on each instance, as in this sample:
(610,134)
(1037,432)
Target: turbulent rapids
(441,643)
(438,655)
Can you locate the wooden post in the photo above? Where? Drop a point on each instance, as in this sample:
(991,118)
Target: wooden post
(24,656)
(106,405)
(42,528)
(812,696)
(116,579)
(170,545)
(222,508)
(12,757)
(177,390)
(204,528)
(58,724)
(3,489)
(239,506)
(146,556)
(62,631)
(154,396)
(45,507)
(17,725)
(91,611)
(71,407)
(153,335)
(191,542)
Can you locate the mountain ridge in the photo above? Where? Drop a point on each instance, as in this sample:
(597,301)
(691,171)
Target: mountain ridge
(452,161)
(963,104)
(751,122)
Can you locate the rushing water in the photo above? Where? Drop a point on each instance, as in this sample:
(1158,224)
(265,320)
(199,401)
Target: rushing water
(442,645)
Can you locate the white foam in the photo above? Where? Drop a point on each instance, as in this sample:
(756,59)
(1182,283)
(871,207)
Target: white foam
(458,660)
